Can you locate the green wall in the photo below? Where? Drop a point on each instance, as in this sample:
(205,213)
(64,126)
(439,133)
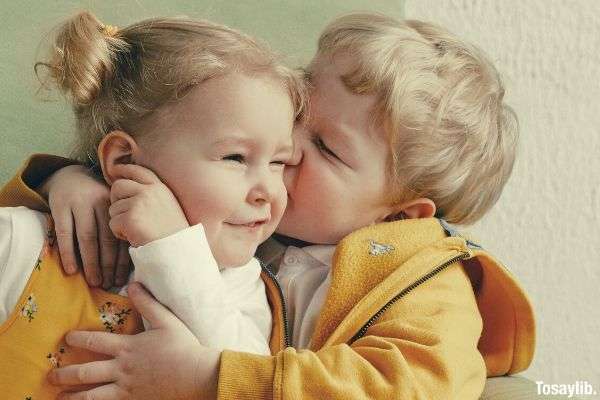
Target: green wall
(34,123)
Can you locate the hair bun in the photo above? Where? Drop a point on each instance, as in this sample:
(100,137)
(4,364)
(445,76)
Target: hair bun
(82,57)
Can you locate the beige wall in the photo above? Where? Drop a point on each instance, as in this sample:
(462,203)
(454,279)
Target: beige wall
(546,225)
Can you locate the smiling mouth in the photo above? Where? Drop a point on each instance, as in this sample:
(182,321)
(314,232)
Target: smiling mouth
(253,224)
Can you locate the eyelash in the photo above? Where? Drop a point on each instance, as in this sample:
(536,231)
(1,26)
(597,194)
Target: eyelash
(241,159)
(235,157)
(322,147)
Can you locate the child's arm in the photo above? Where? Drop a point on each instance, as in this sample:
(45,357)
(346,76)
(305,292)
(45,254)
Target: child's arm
(21,189)
(78,204)
(423,347)
(413,352)
(22,235)
(224,309)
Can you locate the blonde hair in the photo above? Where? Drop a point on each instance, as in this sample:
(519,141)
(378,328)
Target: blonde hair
(440,100)
(115,78)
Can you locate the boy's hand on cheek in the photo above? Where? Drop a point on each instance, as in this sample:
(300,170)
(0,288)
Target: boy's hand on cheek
(143,209)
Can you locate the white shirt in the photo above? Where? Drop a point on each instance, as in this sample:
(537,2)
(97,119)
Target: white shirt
(225,309)
(305,276)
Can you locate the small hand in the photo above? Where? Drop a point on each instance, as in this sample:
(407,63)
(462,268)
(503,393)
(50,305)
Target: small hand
(163,363)
(79,204)
(143,209)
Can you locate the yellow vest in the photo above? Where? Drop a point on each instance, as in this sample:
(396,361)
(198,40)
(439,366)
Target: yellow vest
(53,303)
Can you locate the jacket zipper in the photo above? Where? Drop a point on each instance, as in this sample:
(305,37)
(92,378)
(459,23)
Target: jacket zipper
(404,292)
(286,334)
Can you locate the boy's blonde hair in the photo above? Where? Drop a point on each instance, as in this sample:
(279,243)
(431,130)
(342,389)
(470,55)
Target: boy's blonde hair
(440,100)
(115,78)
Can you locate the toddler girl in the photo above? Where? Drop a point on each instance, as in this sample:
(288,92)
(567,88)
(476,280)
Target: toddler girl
(192,125)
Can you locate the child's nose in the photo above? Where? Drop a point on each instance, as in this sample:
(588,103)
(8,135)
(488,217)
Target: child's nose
(259,195)
(262,191)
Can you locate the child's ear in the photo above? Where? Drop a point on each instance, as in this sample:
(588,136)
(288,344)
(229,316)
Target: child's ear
(417,208)
(117,147)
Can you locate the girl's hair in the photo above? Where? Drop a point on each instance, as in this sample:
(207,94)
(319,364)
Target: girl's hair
(115,78)
(440,100)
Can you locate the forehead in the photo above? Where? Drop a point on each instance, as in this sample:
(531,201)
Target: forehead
(232,105)
(334,104)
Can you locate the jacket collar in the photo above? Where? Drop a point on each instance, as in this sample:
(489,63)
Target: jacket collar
(363,260)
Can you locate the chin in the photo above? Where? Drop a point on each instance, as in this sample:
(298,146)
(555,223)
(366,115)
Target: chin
(236,260)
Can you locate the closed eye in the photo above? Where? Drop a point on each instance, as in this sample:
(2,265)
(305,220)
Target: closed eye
(279,162)
(235,157)
(323,147)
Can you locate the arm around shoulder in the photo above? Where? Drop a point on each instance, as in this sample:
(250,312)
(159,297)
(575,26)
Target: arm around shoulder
(225,309)
(21,189)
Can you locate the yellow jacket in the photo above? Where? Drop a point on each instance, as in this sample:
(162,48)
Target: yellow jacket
(414,311)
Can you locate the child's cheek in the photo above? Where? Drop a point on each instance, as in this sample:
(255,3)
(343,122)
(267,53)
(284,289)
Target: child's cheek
(277,209)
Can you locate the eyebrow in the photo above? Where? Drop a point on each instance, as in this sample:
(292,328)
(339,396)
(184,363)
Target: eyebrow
(248,142)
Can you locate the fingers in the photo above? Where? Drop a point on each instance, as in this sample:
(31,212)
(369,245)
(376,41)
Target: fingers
(87,237)
(106,392)
(109,246)
(123,264)
(116,226)
(63,228)
(149,308)
(119,207)
(98,342)
(136,173)
(92,372)
(124,188)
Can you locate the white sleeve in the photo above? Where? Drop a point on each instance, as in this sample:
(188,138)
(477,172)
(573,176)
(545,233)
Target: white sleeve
(22,235)
(224,309)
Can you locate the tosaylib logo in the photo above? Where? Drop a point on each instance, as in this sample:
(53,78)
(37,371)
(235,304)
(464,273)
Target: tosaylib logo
(579,388)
